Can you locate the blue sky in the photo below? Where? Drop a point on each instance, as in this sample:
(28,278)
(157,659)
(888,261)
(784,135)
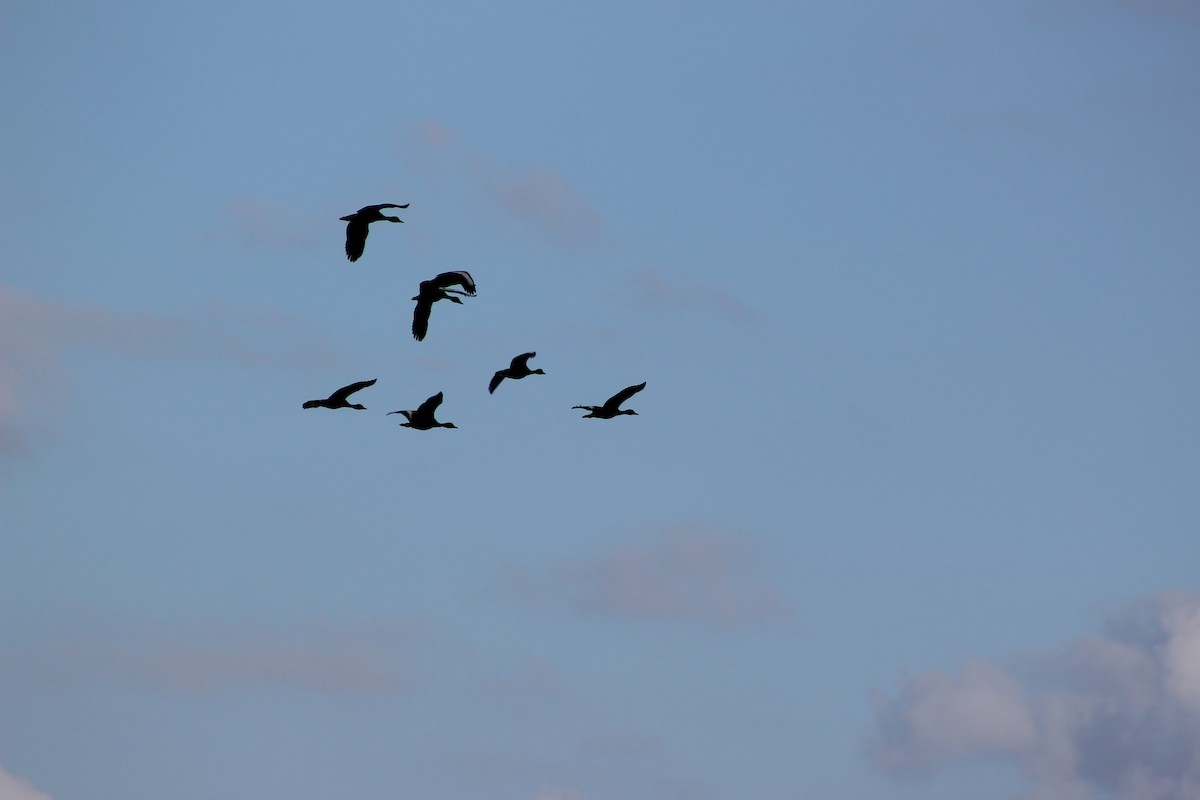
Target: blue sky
(909,509)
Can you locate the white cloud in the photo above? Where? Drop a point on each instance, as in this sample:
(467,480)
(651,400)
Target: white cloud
(941,717)
(14,788)
(686,573)
(1114,716)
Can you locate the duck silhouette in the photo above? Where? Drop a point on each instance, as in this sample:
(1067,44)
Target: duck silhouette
(339,399)
(519,368)
(356,227)
(611,407)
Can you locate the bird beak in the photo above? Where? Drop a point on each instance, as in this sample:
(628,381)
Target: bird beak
(345,219)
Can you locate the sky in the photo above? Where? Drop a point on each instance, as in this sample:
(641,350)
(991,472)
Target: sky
(911,504)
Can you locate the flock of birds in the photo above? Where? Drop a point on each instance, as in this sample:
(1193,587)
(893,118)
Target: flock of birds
(423,417)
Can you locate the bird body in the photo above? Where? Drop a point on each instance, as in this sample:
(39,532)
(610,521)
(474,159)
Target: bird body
(519,368)
(356,226)
(439,289)
(422,418)
(611,407)
(339,399)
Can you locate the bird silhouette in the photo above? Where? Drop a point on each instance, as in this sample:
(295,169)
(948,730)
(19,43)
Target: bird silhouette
(519,368)
(339,398)
(611,407)
(356,227)
(422,418)
(438,289)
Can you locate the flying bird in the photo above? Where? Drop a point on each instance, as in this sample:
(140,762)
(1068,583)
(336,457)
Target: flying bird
(356,227)
(339,398)
(438,289)
(517,370)
(611,407)
(422,418)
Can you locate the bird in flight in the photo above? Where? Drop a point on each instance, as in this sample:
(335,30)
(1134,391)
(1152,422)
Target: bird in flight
(612,406)
(422,418)
(356,226)
(438,289)
(339,399)
(519,368)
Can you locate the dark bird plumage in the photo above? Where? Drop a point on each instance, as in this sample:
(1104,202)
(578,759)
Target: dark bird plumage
(519,368)
(339,399)
(611,407)
(356,227)
(422,418)
(438,289)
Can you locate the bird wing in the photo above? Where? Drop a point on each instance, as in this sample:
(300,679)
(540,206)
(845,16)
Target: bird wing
(429,406)
(623,395)
(381,206)
(341,394)
(499,376)
(356,238)
(421,318)
(460,278)
(521,362)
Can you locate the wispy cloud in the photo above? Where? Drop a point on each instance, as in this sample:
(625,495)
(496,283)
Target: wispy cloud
(689,572)
(1115,715)
(677,290)
(324,658)
(625,744)
(36,332)
(257,226)
(539,201)
(558,793)
(14,788)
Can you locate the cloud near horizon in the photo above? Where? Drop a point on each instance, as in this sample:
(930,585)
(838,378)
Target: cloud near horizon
(538,200)
(1114,716)
(14,788)
(688,572)
(35,334)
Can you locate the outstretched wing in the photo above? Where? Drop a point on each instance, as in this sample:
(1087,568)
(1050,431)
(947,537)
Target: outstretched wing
(460,278)
(429,406)
(381,206)
(421,318)
(615,401)
(356,238)
(341,394)
(499,376)
(521,363)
